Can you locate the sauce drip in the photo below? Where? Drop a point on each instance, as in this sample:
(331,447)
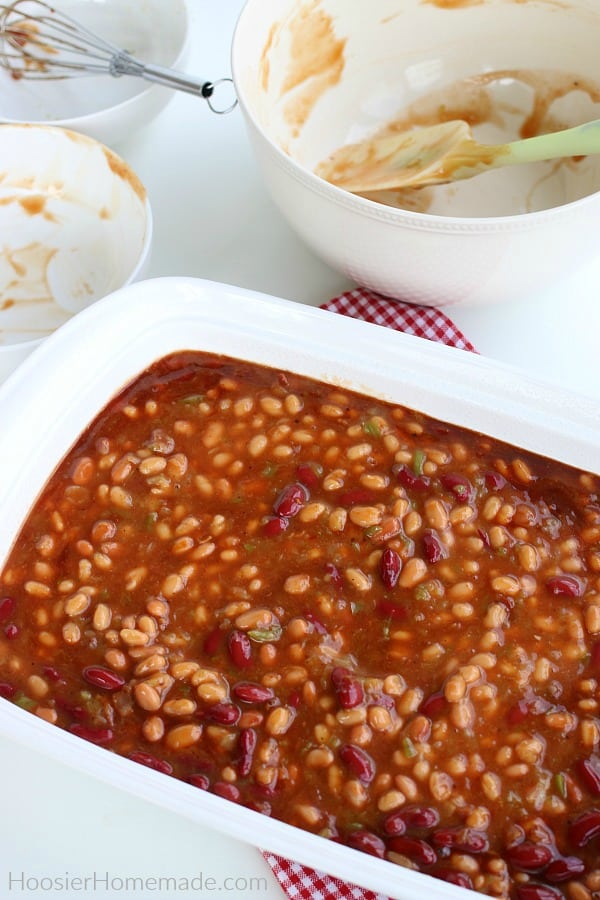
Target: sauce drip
(316,61)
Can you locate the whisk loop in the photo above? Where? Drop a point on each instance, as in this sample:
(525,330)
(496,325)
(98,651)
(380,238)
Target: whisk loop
(37,42)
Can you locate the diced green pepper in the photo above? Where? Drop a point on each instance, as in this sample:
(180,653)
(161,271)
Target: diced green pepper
(24,701)
(264,635)
(408,748)
(371,428)
(418,461)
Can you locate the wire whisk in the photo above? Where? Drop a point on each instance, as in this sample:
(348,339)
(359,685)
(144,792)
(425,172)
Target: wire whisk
(38,42)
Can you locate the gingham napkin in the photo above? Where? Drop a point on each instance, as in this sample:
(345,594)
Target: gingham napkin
(422,321)
(300,882)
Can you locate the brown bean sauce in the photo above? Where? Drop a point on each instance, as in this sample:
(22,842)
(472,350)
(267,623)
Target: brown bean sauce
(339,612)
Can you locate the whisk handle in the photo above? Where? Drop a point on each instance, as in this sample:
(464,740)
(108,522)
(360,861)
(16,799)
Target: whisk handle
(123,64)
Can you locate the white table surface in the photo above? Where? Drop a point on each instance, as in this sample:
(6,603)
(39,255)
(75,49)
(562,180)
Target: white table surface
(213,219)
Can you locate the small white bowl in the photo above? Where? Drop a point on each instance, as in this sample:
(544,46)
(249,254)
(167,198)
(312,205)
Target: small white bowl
(106,108)
(76,225)
(313,76)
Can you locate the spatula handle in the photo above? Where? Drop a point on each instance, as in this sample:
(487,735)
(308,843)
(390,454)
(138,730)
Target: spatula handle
(581,140)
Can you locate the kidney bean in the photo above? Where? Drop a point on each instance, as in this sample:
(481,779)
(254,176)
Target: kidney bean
(146,759)
(263,791)
(228,791)
(240,649)
(367,842)
(75,711)
(359,762)
(565,586)
(7,608)
(394,824)
(52,674)
(11,631)
(529,857)
(461,879)
(527,706)
(459,485)
(224,713)
(532,891)
(275,525)
(563,869)
(494,481)
(248,741)
(589,771)
(465,840)
(420,816)
(100,736)
(482,533)
(432,547)
(295,699)
(415,849)
(103,678)
(309,474)
(7,690)
(212,641)
(390,567)
(291,500)
(413,817)
(199,780)
(391,610)
(434,704)
(585,827)
(348,689)
(251,692)
(408,479)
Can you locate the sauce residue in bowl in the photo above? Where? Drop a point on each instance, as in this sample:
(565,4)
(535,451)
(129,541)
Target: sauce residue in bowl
(28,310)
(316,61)
(461,4)
(455,4)
(470,100)
(467,99)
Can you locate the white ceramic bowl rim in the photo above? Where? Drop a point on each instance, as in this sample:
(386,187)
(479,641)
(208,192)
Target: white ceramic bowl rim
(422,221)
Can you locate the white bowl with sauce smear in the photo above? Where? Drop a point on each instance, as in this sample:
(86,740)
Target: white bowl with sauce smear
(313,75)
(107,109)
(75,225)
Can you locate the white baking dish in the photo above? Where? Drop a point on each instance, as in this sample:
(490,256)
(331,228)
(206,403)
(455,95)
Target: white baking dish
(50,399)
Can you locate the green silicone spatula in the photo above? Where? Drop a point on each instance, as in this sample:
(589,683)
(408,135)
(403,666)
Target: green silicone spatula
(443,153)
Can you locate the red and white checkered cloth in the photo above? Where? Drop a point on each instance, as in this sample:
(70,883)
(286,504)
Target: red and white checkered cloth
(301,882)
(422,321)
